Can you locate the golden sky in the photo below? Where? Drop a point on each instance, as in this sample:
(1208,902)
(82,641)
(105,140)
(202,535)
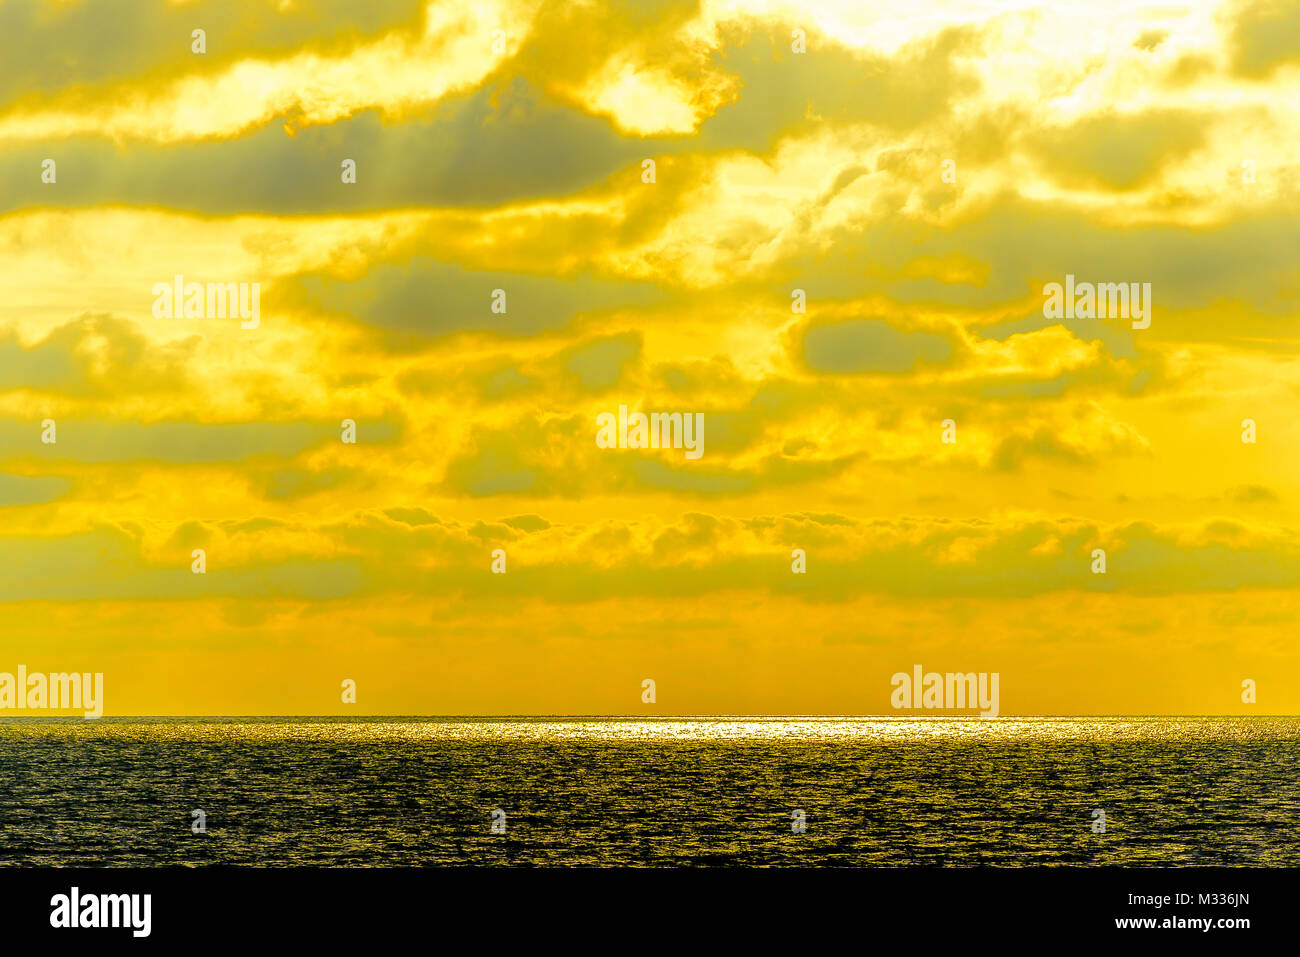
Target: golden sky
(501,145)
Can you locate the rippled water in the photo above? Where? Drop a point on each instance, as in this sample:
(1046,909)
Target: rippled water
(715,791)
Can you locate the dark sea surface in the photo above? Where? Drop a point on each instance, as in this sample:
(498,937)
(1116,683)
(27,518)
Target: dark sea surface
(683,791)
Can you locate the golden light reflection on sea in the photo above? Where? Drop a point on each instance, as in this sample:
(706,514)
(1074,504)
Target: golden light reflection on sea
(697,728)
(698,791)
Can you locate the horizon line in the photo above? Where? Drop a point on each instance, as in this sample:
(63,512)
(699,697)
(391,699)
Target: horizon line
(974,714)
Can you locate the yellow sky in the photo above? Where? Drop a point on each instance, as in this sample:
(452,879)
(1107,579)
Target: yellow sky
(919,174)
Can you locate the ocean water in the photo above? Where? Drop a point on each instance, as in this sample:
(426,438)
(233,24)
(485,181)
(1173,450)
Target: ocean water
(666,792)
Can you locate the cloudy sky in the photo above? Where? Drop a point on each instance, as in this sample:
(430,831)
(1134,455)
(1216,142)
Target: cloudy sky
(501,145)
